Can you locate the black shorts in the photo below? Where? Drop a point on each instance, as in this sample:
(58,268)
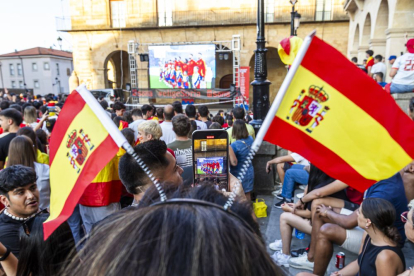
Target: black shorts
(350,205)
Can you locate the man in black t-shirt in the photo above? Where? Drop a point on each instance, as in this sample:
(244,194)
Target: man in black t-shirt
(19,193)
(10,120)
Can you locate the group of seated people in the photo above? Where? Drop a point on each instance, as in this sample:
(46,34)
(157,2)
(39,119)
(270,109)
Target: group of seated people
(374,224)
(402,69)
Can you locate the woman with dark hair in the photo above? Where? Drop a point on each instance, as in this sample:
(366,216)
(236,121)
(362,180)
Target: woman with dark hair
(22,152)
(408,218)
(184,236)
(42,136)
(241,148)
(380,253)
(41,157)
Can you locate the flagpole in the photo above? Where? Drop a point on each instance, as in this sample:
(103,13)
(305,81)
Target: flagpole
(270,116)
(282,91)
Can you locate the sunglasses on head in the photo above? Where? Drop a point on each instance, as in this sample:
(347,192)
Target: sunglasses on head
(27,225)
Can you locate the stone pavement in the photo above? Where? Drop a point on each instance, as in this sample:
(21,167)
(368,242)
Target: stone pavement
(270,228)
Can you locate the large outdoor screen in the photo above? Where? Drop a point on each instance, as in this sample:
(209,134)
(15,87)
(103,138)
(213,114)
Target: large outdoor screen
(182,66)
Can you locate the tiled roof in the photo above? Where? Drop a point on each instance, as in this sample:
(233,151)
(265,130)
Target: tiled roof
(39,51)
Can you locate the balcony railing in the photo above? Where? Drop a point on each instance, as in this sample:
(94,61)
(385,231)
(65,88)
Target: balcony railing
(198,18)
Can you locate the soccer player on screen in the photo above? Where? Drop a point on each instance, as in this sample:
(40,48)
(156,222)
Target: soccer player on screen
(196,78)
(201,66)
(185,80)
(179,77)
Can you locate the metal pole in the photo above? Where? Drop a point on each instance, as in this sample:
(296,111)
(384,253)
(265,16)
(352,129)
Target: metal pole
(260,84)
(24,79)
(292,21)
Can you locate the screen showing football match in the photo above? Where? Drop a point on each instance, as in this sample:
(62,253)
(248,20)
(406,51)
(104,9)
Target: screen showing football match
(210,162)
(182,66)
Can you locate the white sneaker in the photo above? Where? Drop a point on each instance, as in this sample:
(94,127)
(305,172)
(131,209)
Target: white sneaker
(302,187)
(300,195)
(277,192)
(301,262)
(281,259)
(277,245)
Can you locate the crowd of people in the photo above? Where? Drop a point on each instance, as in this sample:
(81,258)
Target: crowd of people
(120,226)
(402,69)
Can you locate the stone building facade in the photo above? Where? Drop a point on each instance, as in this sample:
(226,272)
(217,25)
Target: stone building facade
(379,25)
(100,37)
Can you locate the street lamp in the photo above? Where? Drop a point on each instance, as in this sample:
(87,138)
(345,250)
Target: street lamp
(296,22)
(59,40)
(260,84)
(295,19)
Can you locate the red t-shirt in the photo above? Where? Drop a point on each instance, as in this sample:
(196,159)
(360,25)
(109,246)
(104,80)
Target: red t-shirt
(370,63)
(225,125)
(354,195)
(191,65)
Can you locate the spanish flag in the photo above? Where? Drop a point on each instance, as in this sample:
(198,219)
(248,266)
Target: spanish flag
(339,118)
(83,142)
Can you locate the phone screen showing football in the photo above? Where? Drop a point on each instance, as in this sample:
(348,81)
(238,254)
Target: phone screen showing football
(210,158)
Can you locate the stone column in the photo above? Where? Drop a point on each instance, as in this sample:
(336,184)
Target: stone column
(378,46)
(361,53)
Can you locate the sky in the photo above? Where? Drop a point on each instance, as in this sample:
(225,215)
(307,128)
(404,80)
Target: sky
(26,24)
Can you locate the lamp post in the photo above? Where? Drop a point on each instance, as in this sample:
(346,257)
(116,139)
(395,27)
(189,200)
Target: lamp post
(295,19)
(59,40)
(260,84)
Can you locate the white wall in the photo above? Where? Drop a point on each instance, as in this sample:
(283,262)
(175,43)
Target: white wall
(46,78)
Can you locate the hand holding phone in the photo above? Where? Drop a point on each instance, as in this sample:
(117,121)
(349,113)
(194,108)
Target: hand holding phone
(211,158)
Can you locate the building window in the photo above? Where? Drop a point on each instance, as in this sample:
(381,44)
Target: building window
(34,66)
(13,83)
(19,69)
(118,13)
(270,11)
(46,66)
(57,69)
(36,84)
(21,84)
(165,12)
(68,72)
(11,69)
(323,10)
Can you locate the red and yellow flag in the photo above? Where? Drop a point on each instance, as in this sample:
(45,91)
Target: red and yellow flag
(341,120)
(84,140)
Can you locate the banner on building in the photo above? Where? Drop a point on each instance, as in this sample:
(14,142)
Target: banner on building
(245,83)
(206,94)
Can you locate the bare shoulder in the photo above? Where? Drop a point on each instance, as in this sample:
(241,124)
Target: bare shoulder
(385,257)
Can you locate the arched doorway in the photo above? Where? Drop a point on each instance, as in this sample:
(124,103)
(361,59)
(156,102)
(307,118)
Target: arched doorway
(382,20)
(226,81)
(116,70)
(366,32)
(276,73)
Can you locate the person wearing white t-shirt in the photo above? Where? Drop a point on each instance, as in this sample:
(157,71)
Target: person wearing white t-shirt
(379,66)
(402,71)
(168,134)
